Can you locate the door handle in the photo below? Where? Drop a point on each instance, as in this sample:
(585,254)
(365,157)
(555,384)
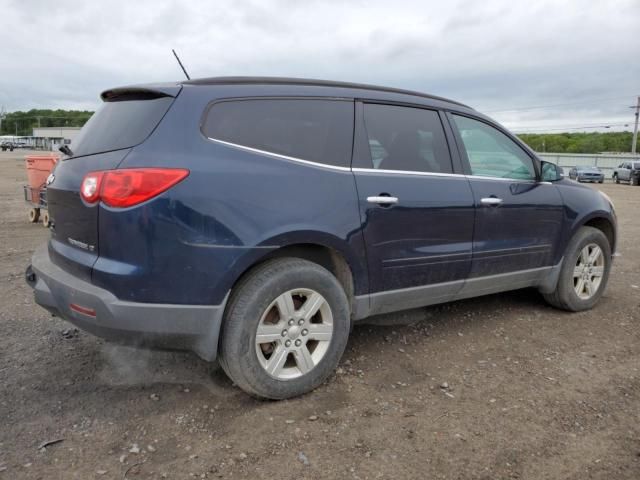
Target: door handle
(382,200)
(491,201)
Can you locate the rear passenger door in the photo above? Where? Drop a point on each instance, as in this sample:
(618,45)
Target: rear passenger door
(417,213)
(518,219)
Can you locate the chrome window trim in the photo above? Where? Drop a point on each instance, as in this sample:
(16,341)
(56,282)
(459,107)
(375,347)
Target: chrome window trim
(367,170)
(455,175)
(503,179)
(279,156)
(406,172)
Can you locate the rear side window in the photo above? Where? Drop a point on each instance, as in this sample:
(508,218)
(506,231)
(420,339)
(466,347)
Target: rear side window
(406,138)
(119,124)
(308,129)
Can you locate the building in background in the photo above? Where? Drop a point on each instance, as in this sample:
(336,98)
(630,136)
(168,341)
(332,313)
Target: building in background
(51,138)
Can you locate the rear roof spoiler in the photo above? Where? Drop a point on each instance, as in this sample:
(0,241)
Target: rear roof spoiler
(141,92)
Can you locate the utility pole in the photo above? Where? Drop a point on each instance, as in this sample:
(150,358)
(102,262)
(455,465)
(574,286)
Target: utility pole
(635,128)
(2,115)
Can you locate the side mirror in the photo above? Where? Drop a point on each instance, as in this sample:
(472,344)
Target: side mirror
(551,172)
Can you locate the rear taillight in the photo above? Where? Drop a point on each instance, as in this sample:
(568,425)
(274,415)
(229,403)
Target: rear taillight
(128,186)
(90,189)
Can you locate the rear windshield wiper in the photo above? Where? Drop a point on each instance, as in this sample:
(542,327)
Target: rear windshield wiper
(66,150)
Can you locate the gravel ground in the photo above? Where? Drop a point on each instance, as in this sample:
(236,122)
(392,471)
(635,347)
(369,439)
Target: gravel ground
(490,388)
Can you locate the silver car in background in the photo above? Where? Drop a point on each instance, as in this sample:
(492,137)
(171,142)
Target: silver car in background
(627,172)
(585,173)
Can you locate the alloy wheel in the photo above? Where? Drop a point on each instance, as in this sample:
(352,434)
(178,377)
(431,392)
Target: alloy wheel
(588,272)
(294,333)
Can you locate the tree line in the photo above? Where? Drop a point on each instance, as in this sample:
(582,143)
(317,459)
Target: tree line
(595,142)
(23,123)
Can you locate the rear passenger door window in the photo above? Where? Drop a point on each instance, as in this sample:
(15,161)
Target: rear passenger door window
(406,138)
(315,130)
(491,153)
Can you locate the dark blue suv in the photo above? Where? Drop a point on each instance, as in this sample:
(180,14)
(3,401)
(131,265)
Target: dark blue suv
(256,219)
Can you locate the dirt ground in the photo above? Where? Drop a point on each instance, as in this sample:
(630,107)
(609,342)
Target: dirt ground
(533,393)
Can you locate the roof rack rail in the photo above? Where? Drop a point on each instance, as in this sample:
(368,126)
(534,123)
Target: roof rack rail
(309,82)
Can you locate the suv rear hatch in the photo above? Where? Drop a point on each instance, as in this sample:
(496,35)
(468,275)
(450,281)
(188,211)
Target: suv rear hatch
(126,118)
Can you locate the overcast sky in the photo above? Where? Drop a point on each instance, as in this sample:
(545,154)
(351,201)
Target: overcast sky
(493,55)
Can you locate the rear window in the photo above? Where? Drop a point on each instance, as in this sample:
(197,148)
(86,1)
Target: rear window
(315,130)
(120,124)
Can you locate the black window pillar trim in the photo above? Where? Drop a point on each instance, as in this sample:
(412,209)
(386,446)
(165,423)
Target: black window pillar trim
(361,151)
(457,140)
(454,150)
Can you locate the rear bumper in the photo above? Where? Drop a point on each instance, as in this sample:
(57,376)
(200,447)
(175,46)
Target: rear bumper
(186,327)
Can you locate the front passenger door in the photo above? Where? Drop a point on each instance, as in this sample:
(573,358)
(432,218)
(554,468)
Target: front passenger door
(518,219)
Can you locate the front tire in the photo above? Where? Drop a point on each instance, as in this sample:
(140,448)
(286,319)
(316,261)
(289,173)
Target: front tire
(584,272)
(285,329)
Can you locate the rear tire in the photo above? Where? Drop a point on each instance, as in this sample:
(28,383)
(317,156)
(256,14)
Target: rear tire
(615,178)
(584,273)
(300,343)
(46,221)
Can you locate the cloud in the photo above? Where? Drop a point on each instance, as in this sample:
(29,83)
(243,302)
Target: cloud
(494,55)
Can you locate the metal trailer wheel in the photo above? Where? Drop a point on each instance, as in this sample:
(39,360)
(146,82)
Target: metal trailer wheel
(34,215)
(46,222)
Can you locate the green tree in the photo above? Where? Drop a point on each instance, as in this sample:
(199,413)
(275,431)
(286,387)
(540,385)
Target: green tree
(22,123)
(594,142)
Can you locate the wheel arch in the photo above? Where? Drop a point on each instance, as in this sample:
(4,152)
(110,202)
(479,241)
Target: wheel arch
(605,226)
(599,219)
(329,252)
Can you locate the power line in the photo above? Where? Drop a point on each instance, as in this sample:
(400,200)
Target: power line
(567,128)
(577,125)
(536,107)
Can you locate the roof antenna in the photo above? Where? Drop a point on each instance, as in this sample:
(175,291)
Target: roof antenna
(181,66)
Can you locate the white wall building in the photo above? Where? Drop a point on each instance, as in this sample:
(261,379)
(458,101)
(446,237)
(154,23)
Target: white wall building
(50,138)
